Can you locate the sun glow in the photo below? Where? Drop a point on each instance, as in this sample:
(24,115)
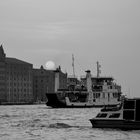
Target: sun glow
(50,65)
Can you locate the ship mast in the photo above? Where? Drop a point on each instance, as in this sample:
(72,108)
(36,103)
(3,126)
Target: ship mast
(73,65)
(98,69)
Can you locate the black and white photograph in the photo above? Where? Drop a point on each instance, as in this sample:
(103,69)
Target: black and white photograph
(69,69)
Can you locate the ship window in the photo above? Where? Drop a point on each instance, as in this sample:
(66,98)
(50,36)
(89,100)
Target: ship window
(103,95)
(97,95)
(128,114)
(101,115)
(137,110)
(114,115)
(115,95)
(129,104)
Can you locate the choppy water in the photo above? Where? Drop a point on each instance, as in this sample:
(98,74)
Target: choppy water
(38,122)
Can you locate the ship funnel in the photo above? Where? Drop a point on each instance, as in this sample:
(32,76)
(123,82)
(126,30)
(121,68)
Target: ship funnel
(88,80)
(57,80)
(89,87)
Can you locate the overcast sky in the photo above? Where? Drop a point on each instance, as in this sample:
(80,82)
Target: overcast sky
(107,31)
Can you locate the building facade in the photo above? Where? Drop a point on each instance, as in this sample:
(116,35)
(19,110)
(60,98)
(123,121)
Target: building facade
(16,86)
(44,82)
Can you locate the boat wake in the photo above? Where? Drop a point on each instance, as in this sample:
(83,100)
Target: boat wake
(64,125)
(59,125)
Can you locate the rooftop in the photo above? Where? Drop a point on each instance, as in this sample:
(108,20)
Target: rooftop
(16,61)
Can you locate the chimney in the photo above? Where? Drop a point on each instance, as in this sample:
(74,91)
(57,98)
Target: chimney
(89,87)
(88,80)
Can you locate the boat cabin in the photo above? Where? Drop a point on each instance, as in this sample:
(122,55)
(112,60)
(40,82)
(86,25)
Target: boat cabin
(128,110)
(131,109)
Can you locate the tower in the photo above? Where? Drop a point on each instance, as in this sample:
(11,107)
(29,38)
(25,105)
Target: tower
(2,75)
(2,54)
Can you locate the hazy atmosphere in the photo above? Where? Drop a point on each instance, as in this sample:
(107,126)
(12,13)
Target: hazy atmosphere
(107,31)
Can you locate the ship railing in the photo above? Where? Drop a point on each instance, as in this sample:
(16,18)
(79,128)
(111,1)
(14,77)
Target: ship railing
(78,89)
(97,90)
(108,108)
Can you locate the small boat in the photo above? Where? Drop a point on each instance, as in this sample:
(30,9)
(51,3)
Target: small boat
(125,116)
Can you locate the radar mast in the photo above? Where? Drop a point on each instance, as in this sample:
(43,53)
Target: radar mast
(98,69)
(73,65)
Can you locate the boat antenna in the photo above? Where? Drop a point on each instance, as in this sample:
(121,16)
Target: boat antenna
(129,93)
(98,69)
(73,65)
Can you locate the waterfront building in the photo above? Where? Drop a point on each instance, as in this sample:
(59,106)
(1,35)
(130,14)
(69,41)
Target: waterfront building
(44,82)
(15,80)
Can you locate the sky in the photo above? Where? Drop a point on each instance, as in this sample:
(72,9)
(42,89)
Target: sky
(107,31)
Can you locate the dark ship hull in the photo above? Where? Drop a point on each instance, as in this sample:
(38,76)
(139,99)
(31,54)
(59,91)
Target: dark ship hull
(53,101)
(115,124)
(56,101)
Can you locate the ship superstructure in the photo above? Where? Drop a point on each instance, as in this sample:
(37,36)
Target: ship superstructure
(105,90)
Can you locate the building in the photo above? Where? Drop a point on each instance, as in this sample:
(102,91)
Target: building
(16,86)
(44,82)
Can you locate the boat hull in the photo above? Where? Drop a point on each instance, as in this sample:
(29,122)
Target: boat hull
(54,101)
(115,124)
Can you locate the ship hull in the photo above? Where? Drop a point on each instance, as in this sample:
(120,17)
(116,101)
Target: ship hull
(115,124)
(54,101)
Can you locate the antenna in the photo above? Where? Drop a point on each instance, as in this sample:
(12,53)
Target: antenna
(73,65)
(98,69)
(129,93)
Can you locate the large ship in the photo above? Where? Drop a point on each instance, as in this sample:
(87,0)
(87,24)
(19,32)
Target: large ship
(90,92)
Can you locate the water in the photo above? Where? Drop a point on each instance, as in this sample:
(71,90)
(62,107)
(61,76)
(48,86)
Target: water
(38,122)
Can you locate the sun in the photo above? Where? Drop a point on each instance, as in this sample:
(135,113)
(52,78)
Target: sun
(50,65)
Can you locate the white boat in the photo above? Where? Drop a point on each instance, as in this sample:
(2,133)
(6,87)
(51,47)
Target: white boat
(94,92)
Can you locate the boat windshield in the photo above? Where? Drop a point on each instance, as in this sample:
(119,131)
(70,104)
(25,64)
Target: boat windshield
(114,115)
(106,108)
(101,115)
